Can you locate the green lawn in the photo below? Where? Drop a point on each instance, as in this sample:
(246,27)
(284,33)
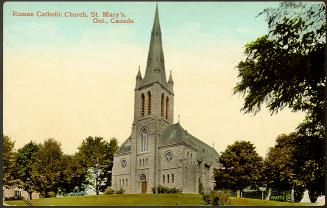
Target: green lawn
(145,200)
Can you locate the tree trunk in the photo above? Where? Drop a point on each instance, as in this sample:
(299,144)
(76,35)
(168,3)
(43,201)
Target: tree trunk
(238,193)
(269,194)
(30,194)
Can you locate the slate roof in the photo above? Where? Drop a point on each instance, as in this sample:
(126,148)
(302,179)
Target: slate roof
(176,134)
(125,147)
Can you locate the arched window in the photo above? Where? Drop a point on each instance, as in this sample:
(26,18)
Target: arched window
(167,104)
(172,178)
(144,141)
(191,158)
(123,181)
(146,161)
(162,105)
(168,178)
(119,182)
(142,177)
(163,178)
(143,162)
(140,162)
(149,102)
(126,182)
(142,100)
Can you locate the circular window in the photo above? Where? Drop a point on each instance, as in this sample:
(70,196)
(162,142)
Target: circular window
(168,155)
(123,163)
(142,177)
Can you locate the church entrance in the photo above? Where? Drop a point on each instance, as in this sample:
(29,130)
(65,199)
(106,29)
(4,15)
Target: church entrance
(143,187)
(143,183)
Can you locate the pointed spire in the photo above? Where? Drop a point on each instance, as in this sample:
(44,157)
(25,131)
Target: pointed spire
(170,80)
(139,76)
(155,68)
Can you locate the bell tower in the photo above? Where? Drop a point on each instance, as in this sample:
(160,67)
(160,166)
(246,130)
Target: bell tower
(153,113)
(154,95)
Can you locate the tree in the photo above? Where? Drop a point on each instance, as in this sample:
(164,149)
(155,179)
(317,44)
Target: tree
(72,175)
(24,160)
(286,67)
(96,154)
(8,160)
(241,167)
(47,166)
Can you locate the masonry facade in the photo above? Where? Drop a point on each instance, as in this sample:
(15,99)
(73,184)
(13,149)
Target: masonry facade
(159,152)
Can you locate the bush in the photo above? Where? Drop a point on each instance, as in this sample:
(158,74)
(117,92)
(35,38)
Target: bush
(120,191)
(216,198)
(109,190)
(166,190)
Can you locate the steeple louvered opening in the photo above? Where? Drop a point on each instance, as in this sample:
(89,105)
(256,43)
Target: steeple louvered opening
(143,103)
(149,103)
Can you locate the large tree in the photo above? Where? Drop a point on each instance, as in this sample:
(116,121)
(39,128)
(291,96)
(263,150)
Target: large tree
(241,167)
(8,155)
(285,68)
(47,167)
(96,154)
(24,160)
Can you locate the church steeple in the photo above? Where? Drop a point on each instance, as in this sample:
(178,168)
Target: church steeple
(155,68)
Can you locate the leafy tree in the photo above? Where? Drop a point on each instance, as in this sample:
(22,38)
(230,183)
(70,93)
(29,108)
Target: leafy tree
(24,160)
(286,67)
(8,160)
(97,154)
(241,167)
(72,175)
(47,166)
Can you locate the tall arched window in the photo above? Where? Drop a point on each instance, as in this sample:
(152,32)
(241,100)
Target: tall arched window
(162,105)
(144,141)
(142,100)
(167,104)
(149,102)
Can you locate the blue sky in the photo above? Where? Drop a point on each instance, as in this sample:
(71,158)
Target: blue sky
(68,78)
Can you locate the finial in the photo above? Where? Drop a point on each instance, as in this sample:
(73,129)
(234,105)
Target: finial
(213,145)
(170,78)
(179,118)
(139,76)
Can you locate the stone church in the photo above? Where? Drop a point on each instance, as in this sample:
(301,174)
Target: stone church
(159,152)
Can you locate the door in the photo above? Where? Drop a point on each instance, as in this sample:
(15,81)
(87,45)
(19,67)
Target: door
(143,187)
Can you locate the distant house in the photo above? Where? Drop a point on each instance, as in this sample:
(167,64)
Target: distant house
(16,193)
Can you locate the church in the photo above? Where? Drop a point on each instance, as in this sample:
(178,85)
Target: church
(159,151)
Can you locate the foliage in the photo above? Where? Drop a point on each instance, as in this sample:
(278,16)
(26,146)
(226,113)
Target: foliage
(97,153)
(25,157)
(8,155)
(216,198)
(241,167)
(286,67)
(73,176)
(47,166)
(296,162)
(109,190)
(120,191)
(166,190)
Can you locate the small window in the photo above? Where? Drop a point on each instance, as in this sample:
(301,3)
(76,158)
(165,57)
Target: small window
(163,178)
(123,163)
(142,100)
(168,178)
(126,182)
(167,105)
(149,103)
(162,104)
(146,161)
(168,155)
(123,181)
(172,178)
(140,162)
(119,182)
(143,162)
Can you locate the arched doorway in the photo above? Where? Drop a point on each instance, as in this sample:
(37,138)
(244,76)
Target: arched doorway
(143,183)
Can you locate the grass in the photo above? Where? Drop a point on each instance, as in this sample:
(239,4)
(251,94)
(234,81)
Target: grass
(145,200)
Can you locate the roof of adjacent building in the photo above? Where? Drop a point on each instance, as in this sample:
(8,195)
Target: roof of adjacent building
(176,135)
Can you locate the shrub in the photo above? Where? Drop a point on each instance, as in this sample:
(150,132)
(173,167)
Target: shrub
(120,191)
(109,190)
(216,198)
(166,190)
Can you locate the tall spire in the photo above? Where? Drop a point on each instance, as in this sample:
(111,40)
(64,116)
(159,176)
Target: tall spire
(155,68)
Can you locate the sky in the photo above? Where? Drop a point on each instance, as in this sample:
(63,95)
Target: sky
(68,78)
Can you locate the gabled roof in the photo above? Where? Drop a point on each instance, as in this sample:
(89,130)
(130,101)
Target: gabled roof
(125,147)
(176,134)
